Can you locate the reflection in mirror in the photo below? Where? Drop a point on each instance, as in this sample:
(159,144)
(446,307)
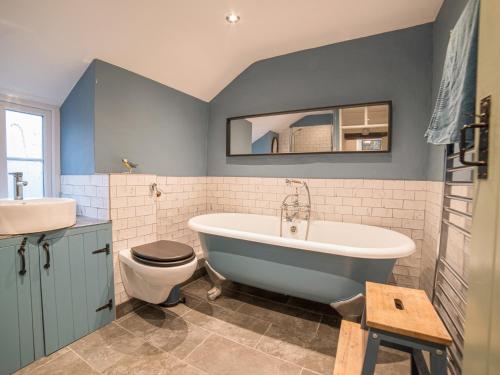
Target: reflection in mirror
(356,128)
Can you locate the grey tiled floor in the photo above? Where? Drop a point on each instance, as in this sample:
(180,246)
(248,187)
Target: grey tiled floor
(245,331)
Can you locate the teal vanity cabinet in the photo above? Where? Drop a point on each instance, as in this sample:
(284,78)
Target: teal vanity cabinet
(19,327)
(65,292)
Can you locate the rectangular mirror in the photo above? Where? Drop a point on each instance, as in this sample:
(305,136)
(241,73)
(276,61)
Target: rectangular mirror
(341,129)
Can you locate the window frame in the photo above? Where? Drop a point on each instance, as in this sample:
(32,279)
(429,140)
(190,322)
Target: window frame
(51,162)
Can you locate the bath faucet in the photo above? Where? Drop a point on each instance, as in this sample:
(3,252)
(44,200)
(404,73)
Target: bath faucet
(291,207)
(18,185)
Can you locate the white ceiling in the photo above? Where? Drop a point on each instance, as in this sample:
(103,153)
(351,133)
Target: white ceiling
(185,44)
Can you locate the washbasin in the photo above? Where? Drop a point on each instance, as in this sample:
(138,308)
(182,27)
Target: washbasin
(36,215)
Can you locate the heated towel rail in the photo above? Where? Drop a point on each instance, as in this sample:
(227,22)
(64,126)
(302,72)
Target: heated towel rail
(451,277)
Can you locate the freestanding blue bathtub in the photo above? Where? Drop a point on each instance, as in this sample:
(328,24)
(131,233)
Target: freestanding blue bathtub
(332,265)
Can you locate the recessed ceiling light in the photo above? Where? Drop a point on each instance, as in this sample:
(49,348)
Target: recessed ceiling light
(232,18)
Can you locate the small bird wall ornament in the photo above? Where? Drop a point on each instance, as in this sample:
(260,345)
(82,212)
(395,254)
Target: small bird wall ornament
(129,165)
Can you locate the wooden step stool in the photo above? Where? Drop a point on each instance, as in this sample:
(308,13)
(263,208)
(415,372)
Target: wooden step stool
(397,317)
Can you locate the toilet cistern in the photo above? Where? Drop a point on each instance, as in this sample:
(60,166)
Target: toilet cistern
(19,184)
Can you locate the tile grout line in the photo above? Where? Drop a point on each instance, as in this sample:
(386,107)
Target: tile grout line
(253,317)
(260,338)
(220,335)
(248,346)
(84,360)
(308,369)
(276,302)
(48,361)
(319,323)
(200,344)
(259,351)
(147,340)
(230,310)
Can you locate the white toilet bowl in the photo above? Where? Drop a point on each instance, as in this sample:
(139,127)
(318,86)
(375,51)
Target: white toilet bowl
(149,282)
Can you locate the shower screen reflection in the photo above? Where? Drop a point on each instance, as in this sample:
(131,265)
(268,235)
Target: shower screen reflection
(355,128)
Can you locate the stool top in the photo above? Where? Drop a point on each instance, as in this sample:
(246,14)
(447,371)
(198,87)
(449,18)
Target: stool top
(404,311)
(163,251)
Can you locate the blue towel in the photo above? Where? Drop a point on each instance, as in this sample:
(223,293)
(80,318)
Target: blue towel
(455,102)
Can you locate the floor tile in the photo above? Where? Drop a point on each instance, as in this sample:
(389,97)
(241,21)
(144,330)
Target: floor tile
(311,306)
(242,288)
(182,308)
(165,330)
(146,321)
(128,306)
(67,363)
(392,362)
(312,351)
(281,314)
(178,337)
(229,298)
(42,361)
(308,372)
(233,325)
(220,356)
(107,346)
(151,361)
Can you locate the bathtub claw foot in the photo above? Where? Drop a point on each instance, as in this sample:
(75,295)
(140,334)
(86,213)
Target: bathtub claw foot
(351,308)
(214,293)
(217,280)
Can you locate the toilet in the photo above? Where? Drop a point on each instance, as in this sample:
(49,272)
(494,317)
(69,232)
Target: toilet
(151,272)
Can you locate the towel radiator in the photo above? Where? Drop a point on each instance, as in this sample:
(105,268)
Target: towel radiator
(452,265)
(451,275)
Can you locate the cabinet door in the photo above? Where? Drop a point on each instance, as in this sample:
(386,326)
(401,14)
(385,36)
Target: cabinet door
(76,281)
(57,299)
(100,284)
(16,324)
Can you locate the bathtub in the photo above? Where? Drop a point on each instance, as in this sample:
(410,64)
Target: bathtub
(332,265)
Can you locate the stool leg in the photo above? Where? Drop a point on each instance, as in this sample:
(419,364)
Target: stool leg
(414,368)
(438,362)
(371,352)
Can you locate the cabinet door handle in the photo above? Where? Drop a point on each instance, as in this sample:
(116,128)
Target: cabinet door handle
(103,250)
(23,260)
(109,306)
(23,257)
(47,255)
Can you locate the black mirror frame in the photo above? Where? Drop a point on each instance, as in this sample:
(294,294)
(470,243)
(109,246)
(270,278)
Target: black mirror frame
(389,137)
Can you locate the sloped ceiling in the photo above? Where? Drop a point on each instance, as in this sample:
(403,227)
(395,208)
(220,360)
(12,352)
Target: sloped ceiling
(188,45)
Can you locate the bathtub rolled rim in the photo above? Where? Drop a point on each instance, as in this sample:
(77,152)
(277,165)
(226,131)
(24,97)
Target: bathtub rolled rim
(395,252)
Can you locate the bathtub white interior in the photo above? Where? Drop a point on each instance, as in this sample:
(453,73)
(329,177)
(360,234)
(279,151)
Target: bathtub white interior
(315,276)
(330,237)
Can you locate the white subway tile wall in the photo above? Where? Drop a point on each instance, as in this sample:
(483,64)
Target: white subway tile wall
(397,205)
(91,193)
(182,198)
(140,217)
(432,226)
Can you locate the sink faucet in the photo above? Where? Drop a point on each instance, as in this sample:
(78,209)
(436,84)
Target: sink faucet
(18,185)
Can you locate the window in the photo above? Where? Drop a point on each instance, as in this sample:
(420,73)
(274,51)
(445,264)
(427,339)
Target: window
(26,146)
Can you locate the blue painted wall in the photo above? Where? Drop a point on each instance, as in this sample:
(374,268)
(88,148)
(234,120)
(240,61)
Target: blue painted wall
(162,129)
(125,115)
(77,127)
(447,18)
(166,131)
(393,66)
(263,144)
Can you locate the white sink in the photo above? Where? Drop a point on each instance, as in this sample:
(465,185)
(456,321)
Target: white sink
(36,215)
